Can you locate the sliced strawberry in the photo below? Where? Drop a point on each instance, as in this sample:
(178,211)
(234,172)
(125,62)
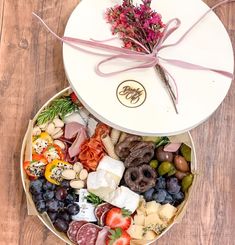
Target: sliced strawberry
(118,237)
(118,218)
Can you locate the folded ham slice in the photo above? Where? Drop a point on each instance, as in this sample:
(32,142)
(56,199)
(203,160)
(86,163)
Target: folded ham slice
(75,148)
(72,130)
(102,235)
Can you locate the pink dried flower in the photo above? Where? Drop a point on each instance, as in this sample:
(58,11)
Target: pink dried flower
(138,22)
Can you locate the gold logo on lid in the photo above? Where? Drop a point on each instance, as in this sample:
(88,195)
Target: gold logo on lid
(131,93)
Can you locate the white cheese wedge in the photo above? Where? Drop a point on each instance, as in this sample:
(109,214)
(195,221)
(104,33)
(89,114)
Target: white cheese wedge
(101,183)
(86,209)
(113,166)
(123,197)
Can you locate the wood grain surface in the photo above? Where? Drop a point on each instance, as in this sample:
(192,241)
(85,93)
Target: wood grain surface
(31,71)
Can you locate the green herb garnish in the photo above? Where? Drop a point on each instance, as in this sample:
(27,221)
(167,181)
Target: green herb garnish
(59,107)
(92,198)
(162,141)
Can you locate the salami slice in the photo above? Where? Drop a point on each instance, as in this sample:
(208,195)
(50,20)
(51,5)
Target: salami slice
(74,226)
(88,234)
(103,218)
(100,209)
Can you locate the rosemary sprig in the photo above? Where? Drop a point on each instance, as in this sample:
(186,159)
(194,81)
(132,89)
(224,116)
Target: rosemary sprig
(92,198)
(59,107)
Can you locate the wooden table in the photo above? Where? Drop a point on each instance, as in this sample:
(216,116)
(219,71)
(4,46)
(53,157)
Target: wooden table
(31,71)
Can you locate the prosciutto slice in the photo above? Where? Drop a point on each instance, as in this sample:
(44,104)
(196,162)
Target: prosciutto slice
(72,129)
(77,131)
(75,148)
(102,236)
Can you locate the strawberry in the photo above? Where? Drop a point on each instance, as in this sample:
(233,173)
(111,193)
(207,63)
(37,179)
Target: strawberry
(74,97)
(117,217)
(118,237)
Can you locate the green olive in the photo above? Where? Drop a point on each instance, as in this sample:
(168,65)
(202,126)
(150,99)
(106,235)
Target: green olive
(186,152)
(166,168)
(153,164)
(151,138)
(187,182)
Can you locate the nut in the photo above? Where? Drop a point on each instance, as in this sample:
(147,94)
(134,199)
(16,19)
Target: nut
(36,131)
(60,144)
(77,184)
(58,123)
(83,174)
(58,132)
(43,126)
(50,128)
(69,174)
(77,167)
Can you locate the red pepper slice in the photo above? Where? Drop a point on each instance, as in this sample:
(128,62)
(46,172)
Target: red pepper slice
(35,168)
(53,152)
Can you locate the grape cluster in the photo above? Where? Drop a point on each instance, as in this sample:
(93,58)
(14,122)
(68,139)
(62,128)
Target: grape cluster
(166,190)
(58,201)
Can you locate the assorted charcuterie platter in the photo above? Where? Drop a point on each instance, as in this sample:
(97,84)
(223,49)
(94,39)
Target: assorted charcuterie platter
(92,184)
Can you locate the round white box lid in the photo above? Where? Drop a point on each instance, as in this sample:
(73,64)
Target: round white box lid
(151,112)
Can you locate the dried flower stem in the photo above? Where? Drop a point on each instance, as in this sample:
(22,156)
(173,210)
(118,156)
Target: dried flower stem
(168,86)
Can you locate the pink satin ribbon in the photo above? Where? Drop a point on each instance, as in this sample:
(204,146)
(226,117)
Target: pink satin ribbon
(145,60)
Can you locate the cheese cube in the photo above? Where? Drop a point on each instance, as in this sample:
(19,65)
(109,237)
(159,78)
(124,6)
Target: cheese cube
(136,231)
(149,235)
(112,166)
(152,220)
(142,206)
(139,219)
(167,212)
(123,197)
(101,183)
(152,207)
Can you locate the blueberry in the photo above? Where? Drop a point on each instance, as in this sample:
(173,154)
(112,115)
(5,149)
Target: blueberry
(179,197)
(35,187)
(49,186)
(148,195)
(41,206)
(37,197)
(160,195)
(48,195)
(69,199)
(53,205)
(168,199)
(43,180)
(172,185)
(52,216)
(65,216)
(161,183)
(65,184)
(73,209)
